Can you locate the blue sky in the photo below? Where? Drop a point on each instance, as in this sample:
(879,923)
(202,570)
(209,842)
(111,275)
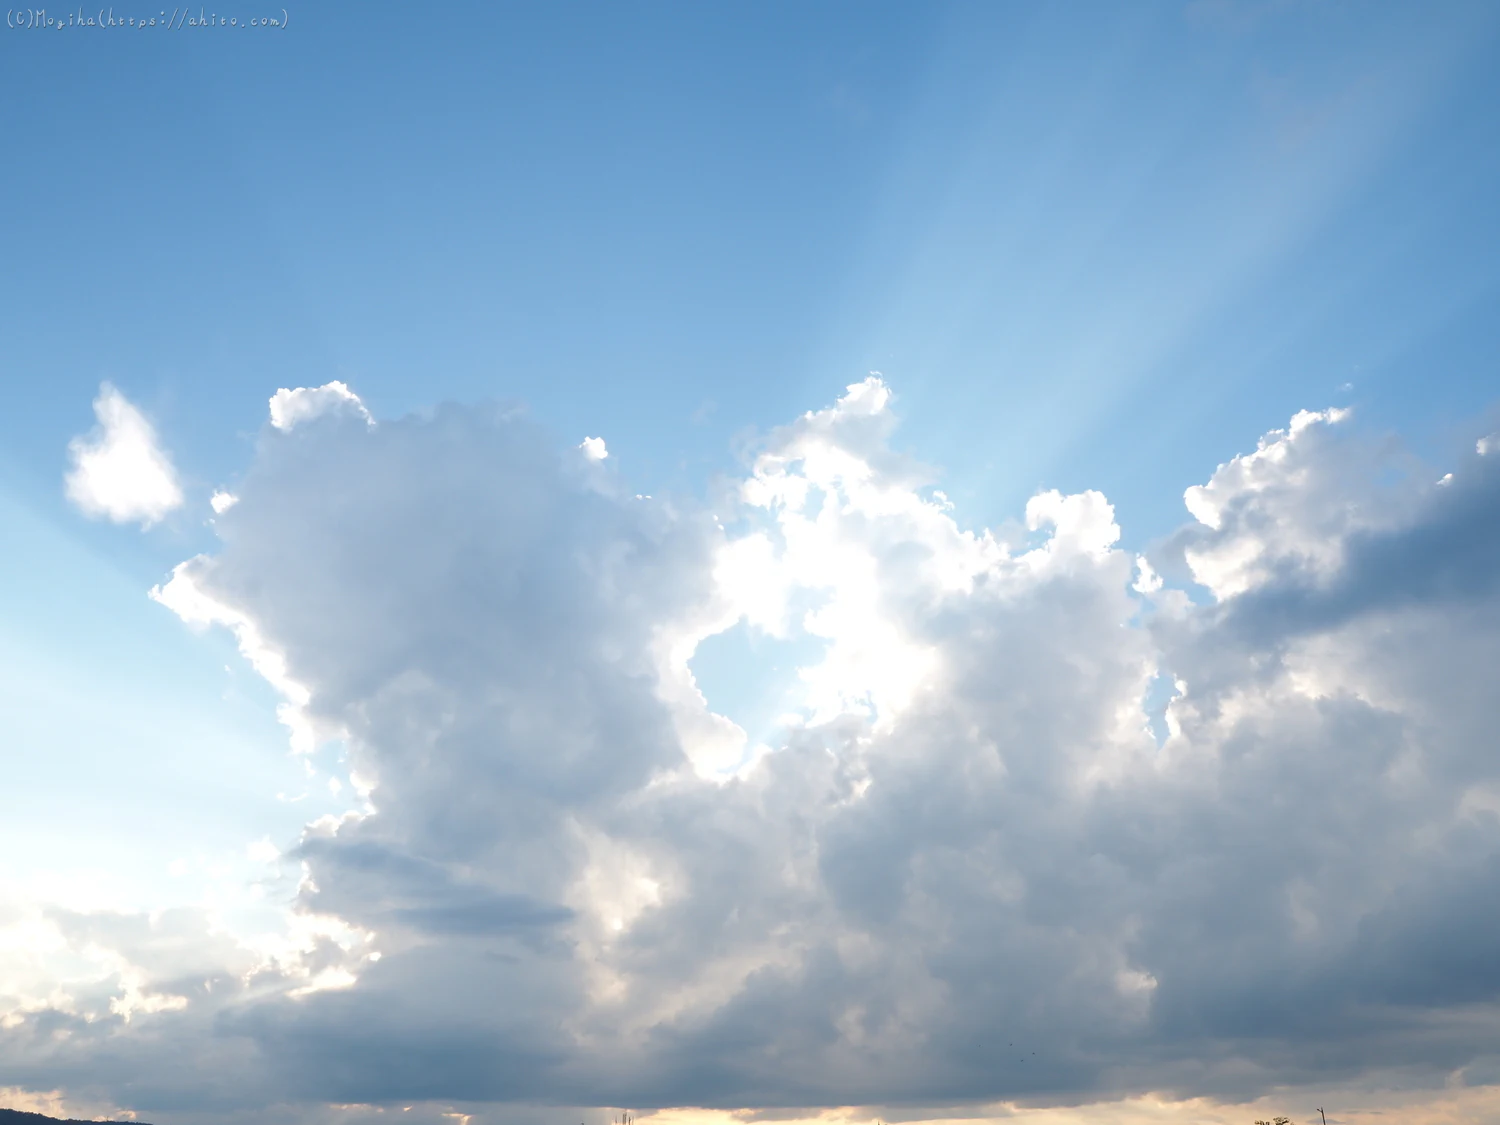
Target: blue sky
(1137,236)
(1085,247)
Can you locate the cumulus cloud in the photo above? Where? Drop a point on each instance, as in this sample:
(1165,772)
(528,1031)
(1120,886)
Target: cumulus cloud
(965,872)
(293,407)
(119,470)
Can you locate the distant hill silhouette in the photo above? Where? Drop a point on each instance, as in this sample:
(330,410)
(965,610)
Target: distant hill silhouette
(17,1117)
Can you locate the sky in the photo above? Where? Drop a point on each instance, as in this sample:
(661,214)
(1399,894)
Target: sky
(820,562)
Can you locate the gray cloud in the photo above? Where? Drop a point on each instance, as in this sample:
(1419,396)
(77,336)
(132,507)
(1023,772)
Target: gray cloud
(992,883)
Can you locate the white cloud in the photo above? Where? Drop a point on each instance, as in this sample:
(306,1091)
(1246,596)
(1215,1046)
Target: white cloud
(1081,525)
(222,501)
(119,470)
(185,596)
(594,448)
(584,886)
(291,408)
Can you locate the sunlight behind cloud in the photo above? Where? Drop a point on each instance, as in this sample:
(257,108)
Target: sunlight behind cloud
(1008,826)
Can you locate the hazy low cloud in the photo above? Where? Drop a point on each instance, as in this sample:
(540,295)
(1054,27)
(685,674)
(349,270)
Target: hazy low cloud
(969,871)
(119,471)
